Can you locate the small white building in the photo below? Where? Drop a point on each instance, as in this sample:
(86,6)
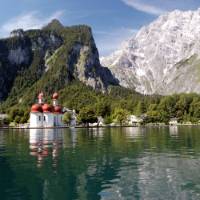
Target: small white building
(44,115)
(173,122)
(100,121)
(3,116)
(73,117)
(134,120)
(73,120)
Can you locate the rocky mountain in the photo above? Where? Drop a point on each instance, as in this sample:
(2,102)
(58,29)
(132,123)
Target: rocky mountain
(163,57)
(48,60)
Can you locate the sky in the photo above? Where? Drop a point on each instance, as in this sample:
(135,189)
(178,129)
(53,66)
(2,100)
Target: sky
(112,21)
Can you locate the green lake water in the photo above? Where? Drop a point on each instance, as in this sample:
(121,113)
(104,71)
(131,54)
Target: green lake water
(116,163)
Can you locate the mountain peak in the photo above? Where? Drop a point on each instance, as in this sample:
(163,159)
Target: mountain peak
(54,25)
(163,57)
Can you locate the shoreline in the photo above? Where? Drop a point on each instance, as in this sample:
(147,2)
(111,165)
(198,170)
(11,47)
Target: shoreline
(106,126)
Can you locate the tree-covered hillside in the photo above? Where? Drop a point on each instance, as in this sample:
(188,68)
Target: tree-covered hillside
(48,60)
(115,105)
(66,60)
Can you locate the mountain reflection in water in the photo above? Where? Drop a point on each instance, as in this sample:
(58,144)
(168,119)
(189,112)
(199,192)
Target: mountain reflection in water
(105,163)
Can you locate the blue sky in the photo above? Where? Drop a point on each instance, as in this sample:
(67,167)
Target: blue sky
(112,21)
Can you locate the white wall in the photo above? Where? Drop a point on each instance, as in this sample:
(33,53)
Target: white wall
(73,122)
(36,120)
(49,120)
(60,123)
(58,119)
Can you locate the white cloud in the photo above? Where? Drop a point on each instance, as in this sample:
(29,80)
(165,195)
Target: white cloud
(31,20)
(144,7)
(109,41)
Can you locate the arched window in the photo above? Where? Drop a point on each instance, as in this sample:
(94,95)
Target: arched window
(44,118)
(55,121)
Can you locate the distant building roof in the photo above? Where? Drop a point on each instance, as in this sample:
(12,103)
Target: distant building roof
(3,116)
(174,119)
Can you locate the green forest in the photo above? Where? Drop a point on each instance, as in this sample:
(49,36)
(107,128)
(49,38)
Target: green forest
(116,104)
(52,67)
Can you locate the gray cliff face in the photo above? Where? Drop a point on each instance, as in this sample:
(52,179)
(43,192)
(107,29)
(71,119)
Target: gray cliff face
(88,68)
(163,58)
(28,57)
(20,51)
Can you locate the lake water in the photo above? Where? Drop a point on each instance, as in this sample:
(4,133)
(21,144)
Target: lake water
(117,163)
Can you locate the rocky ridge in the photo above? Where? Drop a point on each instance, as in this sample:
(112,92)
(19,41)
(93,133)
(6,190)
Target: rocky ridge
(163,58)
(49,59)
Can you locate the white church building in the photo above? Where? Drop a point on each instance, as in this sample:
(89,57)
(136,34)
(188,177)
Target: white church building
(44,115)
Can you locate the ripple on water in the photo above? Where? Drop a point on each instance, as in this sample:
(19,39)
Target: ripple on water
(128,163)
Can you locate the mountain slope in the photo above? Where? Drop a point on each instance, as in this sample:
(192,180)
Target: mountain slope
(48,60)
(163,58)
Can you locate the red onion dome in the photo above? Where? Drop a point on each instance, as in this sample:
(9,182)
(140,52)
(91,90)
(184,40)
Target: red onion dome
(46,108)
(55,95)
(36,108)
(57,109)
(41,95)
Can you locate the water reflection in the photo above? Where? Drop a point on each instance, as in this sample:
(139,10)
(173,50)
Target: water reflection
(155,177)
(173,130)
(96,132)
(73,133)
(2,136)
(45,142)
(105,163)
(133,132)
